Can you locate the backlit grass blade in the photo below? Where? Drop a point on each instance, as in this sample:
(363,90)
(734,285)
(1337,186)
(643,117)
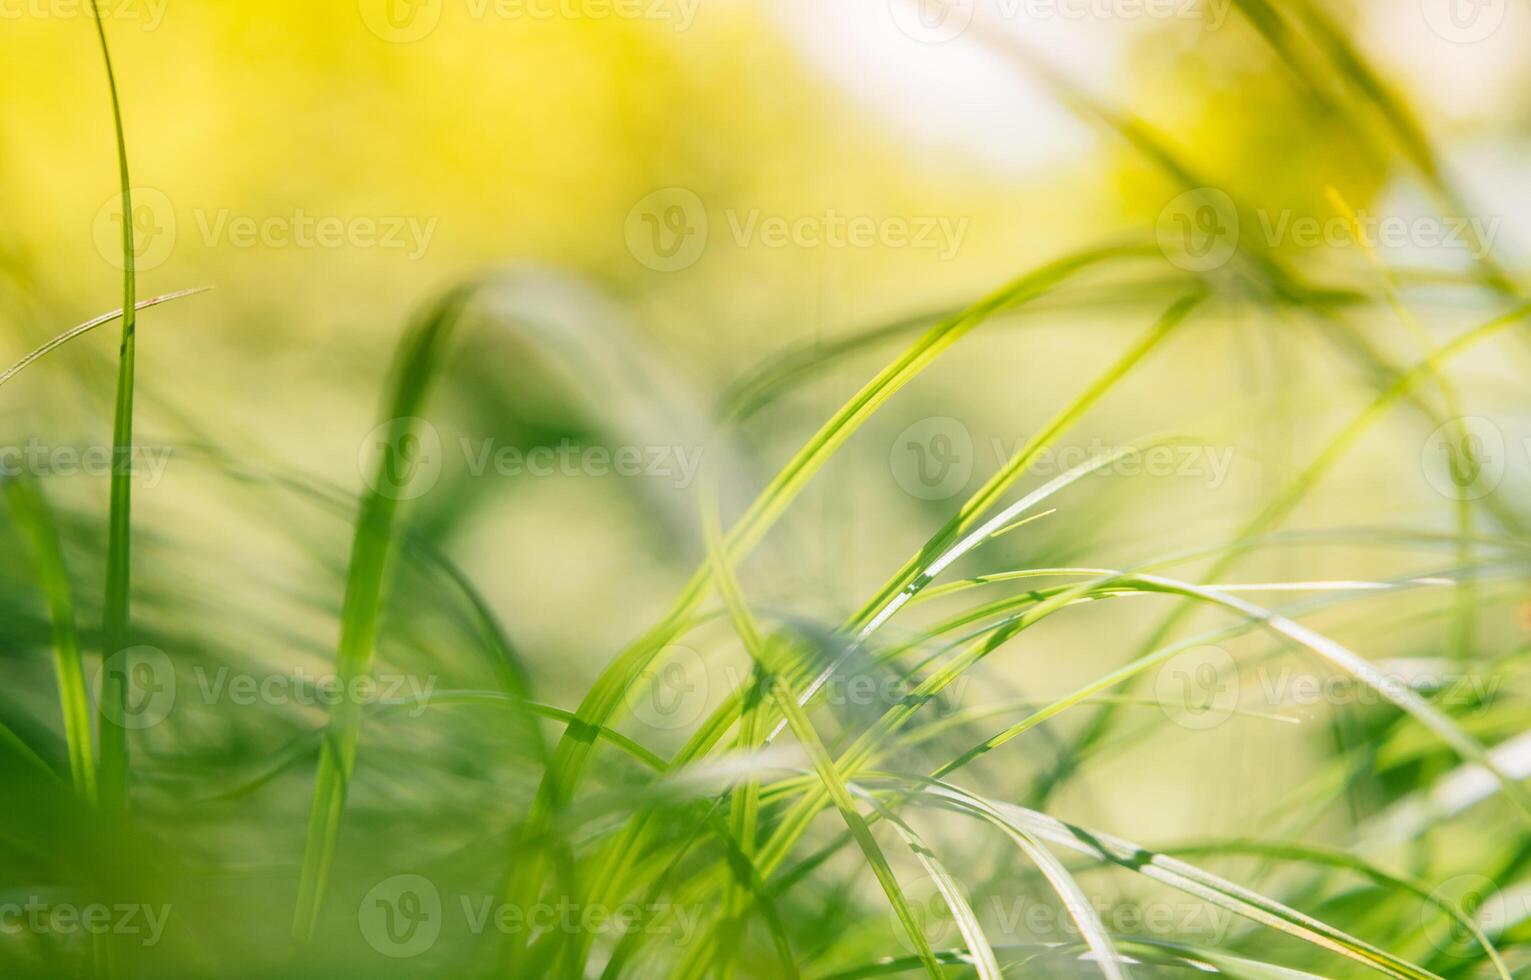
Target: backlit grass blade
(116,624)
(1180,875)
(30,511)
(840,795)
(88,326)
(1286,500)
(1067,889)
(604,698)
(415,368)
(1282,851)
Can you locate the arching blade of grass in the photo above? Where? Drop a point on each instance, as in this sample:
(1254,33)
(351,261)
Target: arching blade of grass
(1400,695)
(1286,500)
(572,755)
(908,578)
(88,326)
(1177,874)
(415,367)
(984,962)
(709,733)
(115,632)
(1195,959)
(1063,884)
(1339,859)
(30,511)
(808,737)
(834,784)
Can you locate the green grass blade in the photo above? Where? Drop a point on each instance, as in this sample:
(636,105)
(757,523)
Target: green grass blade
(29,509)
(87,327)
(604,698)
(415,367)
(1180,875)
(116,616)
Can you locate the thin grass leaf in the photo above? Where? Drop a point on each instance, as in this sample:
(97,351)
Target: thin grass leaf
(605,696)
(415,368)
(1177,874)
(116,617)
(30,511)
(87,327)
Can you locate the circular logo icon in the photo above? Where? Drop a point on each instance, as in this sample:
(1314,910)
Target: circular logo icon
(932,21)
(1478,898)
(1199,230)
(400,21)
(1464,459)
(931,913)
(401,458)
(673,690)
(400,916)
(1198,688)
(1463,21)
(933,458)
(148,687)
(153,225)
(667,230)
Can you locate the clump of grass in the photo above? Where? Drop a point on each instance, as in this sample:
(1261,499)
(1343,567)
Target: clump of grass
(787,857)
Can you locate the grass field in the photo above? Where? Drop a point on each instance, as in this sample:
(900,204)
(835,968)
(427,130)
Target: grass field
(689,488)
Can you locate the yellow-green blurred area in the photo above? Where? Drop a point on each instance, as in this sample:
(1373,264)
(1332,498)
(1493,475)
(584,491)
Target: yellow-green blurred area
(704,225)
